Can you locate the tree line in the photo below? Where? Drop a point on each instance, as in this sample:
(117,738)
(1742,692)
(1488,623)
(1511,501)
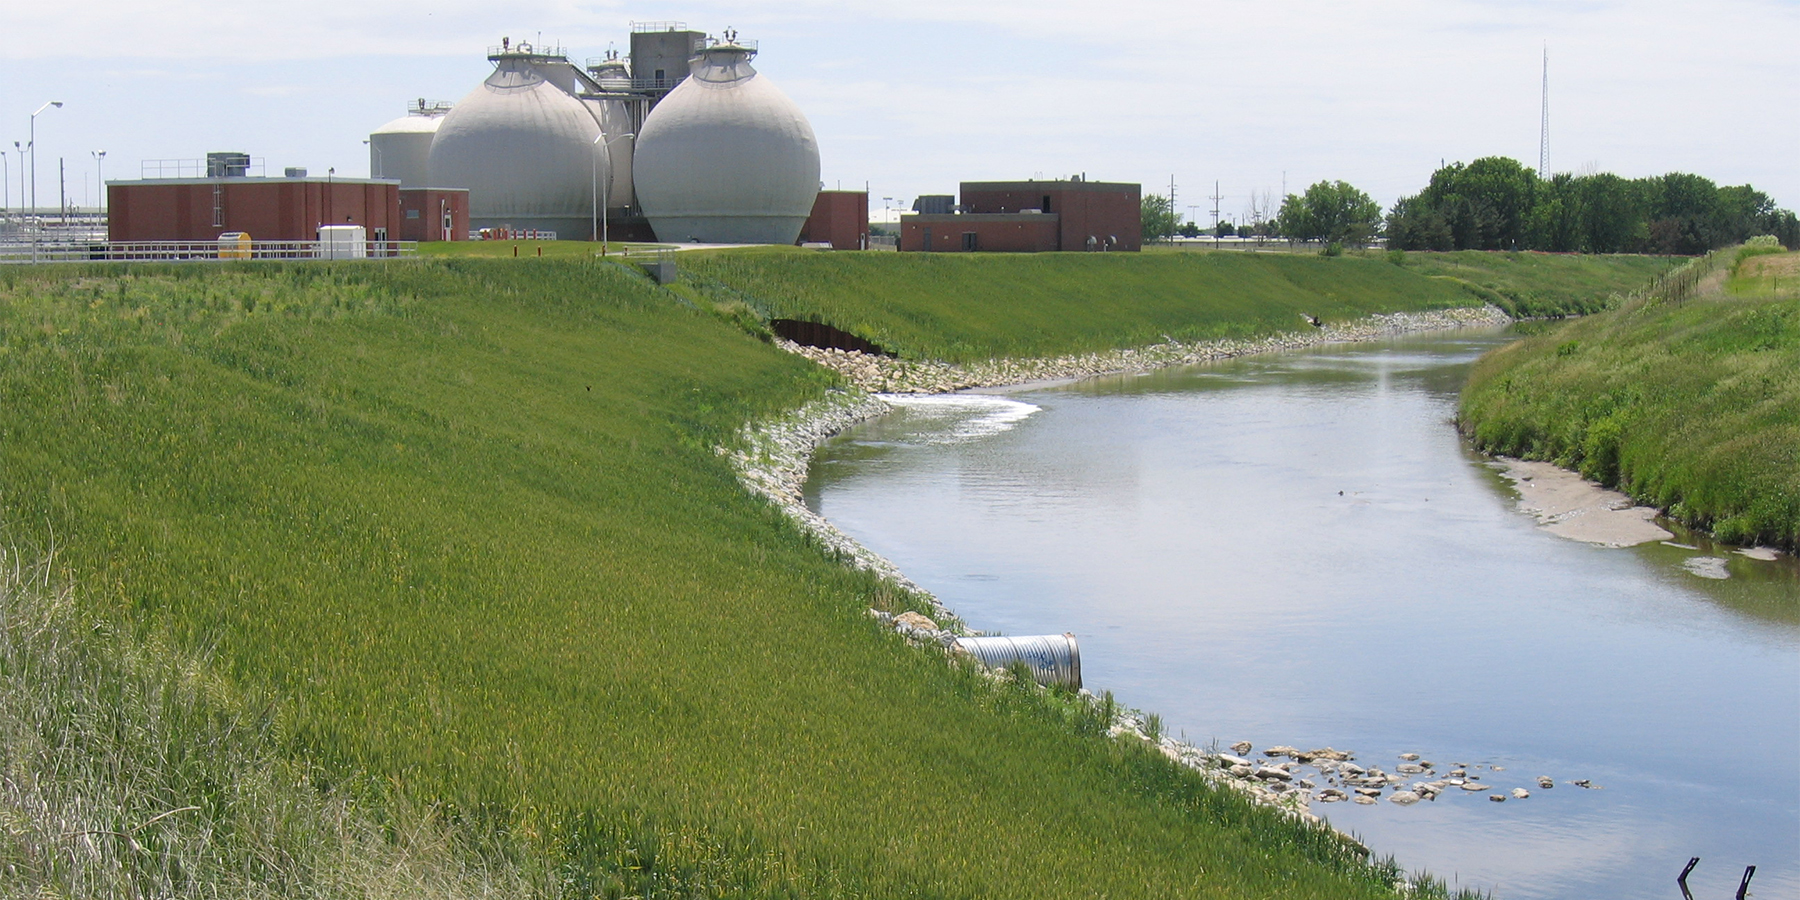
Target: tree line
(1496,203)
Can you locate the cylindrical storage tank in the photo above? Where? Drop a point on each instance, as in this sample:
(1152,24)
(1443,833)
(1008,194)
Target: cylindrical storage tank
(402,149)
(726,157)
(1054,659)
(525,149)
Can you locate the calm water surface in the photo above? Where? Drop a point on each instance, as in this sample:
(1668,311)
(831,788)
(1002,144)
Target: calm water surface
(1297,549)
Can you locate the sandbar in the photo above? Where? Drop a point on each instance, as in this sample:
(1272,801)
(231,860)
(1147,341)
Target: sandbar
(1569,506)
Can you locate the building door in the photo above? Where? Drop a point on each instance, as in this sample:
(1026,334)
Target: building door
(970,240)
(449,220)
(927,247)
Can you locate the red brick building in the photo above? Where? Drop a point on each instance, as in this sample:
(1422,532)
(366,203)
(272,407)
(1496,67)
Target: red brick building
(962,233)
(1032,216)
(268,209)
(434,214)
(839,218)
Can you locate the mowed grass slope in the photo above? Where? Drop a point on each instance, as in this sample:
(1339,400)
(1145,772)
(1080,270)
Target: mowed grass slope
(465,521)
(1692,406)
(1529,285)
(965,307)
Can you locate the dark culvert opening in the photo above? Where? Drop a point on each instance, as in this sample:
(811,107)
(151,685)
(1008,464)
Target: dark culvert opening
(825,337)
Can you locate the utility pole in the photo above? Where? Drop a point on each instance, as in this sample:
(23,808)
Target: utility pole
(62,190)
(1215,199)
(1172,195)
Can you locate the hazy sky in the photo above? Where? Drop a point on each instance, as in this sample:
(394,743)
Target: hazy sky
(913,96)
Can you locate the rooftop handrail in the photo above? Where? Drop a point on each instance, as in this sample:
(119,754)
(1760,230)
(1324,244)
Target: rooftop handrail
(190,168)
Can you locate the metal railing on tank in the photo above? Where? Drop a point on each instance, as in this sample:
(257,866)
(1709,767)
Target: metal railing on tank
(28,251)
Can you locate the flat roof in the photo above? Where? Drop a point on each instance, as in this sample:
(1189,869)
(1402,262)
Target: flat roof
(1107,186)
(973,218)
(258,179)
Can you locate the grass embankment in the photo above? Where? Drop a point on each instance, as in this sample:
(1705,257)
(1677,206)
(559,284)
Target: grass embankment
(969,307)
(1692,405)
(463,524)
(1538,285)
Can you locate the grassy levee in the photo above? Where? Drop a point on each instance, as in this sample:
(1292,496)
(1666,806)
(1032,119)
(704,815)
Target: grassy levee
(463,523)
(965,307)
(1537,285)
(1692,405)
(961,307)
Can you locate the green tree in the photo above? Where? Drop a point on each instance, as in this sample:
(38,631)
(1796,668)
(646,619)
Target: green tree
(1158,216)
(1335,212)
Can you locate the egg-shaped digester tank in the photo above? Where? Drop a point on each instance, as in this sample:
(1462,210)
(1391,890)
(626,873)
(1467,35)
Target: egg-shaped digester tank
(726,157)
(525,149)
(402,148)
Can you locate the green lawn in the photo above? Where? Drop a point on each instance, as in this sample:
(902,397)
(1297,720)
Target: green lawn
(1691,406)
(463,520)
(965,307)
(1542,284)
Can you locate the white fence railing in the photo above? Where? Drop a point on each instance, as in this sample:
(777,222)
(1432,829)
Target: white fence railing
(199,251)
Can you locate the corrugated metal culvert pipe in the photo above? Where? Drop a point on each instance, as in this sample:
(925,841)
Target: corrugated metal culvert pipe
(1054,659)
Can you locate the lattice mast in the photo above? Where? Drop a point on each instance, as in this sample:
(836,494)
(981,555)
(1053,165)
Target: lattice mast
(1544,125)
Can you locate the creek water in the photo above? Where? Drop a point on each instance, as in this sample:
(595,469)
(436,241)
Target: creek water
(1299,549)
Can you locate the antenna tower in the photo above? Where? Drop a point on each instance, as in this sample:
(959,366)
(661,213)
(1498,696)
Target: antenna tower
(1544,126)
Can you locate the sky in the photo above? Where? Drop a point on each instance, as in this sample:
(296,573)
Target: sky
(913,97)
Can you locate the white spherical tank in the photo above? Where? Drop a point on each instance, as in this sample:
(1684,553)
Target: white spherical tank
(402,148)
(525,149)
(726,157)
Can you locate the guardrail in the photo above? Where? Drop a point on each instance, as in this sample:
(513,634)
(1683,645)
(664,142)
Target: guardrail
(197,251)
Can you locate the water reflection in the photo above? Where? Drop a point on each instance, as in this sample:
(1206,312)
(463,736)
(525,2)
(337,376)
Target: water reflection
(1298,549)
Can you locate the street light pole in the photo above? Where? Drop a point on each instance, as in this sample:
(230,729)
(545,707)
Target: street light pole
(601,203)
(99,178)
(5,182)
(33,145)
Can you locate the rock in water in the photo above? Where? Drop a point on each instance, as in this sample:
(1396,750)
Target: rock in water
(1410,757)
(1230,760)
(1241,748)
(1366,801)
(1271,773)
(1520,793)
(1546,782)
(1328,753)
(1404,798)
(1280,751)
(1707,567)
(1497,798)
(1411,769)
(1472,786)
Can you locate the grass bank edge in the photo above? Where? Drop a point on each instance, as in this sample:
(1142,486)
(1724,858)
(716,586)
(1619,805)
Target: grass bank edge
(1680,398)
(378,361)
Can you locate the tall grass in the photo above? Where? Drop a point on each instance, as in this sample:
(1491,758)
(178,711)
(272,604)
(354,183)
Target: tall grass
(132,770)
(463,522)
(1687,398)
